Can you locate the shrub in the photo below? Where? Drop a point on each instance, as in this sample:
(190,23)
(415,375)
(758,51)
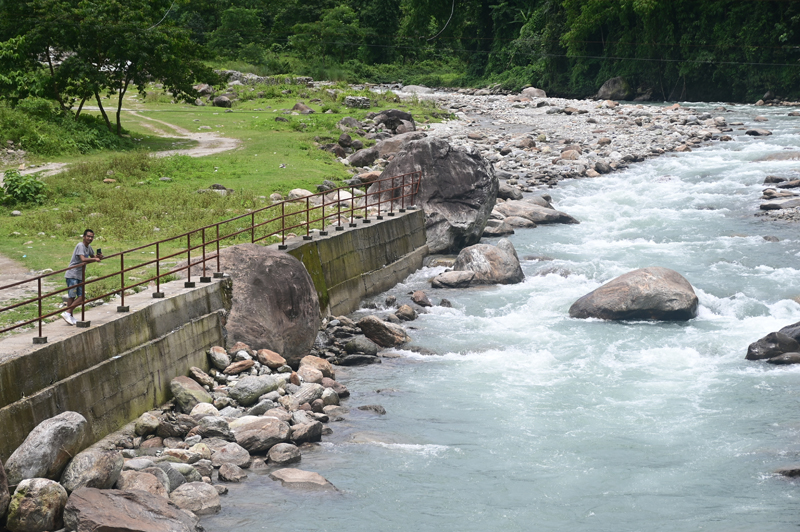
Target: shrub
(22,188)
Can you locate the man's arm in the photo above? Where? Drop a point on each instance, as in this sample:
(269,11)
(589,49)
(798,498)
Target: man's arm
(86,259)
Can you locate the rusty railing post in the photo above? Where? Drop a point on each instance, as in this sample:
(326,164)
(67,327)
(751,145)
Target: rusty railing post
(158,294)
(218,274)
(40,339)
(352,207)
(308,219)
(188,283)
(339,226)
(282,245)
(322,231)
(83,323)
(204,278)
(122,307)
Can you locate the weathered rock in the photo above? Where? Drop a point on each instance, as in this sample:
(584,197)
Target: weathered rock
(231,473)
(404,312)
(271,359)
(92,469)
(785,359)
(37,505)
(275,304)
(361,344)
(652,293)
(48,448)
(780,203)
(772,345)
(377,409)
(146,424)
(197,497)
(453,279)
(307,432)
(457,193)
(308,393)
(233,453)
(219,358)
(302,108)
(382,333)
(533,92)
(329,397)
(249,389)
(284,453)
(176,427)
(758,132)
(491,264)
(320,364)
(137,464)
(261,434)
(394,144)
(173,475)
(340,389)
(214,427)
(239,367)
(5,496)
(793,331)
(204,409)
(615,89)
(222,101)
(364,157)
(507,192)
(94,510)
(533,212)
(139,480)
(309,374)
(188,393)
(297,478)
(420,298)
(160,475)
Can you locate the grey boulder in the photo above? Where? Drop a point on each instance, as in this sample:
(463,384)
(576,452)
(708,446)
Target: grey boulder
(261,434)
(188,393)
(5,496)
(491,264)
(284,453)
(615,89)
(37,505)
(772,345)
(233,453)
(453,279)
(534,212)
(249,389)
(652,293)
(197,497)
(48,448)
(383,333)
(92,469)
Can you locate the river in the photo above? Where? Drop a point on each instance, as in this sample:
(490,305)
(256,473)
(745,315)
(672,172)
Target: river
(531,420)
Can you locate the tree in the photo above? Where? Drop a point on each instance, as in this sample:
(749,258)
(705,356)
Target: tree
(82,50)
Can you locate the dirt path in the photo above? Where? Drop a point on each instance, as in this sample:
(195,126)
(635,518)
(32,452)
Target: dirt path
(12,272)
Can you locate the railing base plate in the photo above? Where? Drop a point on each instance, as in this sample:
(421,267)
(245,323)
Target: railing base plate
(323,233)
(188,284)
(282,247)
(379,217)
(83,324)
(353,225)
(367,221)
(308,238)
(205,279)
(391,214)
(402,210)
(40,339)
(126,308)
(158,295)
(219,275)
(339,228)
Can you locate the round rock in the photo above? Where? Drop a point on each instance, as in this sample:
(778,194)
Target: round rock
(37,505)
(284,453)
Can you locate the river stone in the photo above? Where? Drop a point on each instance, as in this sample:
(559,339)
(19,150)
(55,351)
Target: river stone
(309,374)
(271,359)
(5,496)
(393,145)
(793,331)
(188,471)
(491,264)
(364,157)
(307,432)
(93,469)
(160,475)
(404,312)
(176,427)
(533,212)
(420,298)
(211,427)
(219,358)
(239,367)
(174,476)
(139,480)
(362,344)
(340,389)
(261,434)
(297,478)
(275,304)
(137,464)
(615,89)
(202,450)
(145,424)
(780,203)
(382,333)
(772,345)
(249,389)
(308,393)
(330,397)
(284,453)
(758,132)
(233,453)
(48,448)
(204,409)
(457,192)
(652,293)
(785,359)
(231,473)
(37,505)
(188,393)
(319,364)
(197,497)
(533,92)
(358,359)
(453,279)
(507,192)
(94,510)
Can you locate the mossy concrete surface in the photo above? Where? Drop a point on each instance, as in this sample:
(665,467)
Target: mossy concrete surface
(114,371)
(360,262)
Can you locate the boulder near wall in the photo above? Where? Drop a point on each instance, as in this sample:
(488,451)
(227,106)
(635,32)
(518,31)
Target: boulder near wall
(457,193)
(275,304)
(652,293)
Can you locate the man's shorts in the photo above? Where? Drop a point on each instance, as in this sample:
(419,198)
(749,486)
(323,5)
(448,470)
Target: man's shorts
(74,292)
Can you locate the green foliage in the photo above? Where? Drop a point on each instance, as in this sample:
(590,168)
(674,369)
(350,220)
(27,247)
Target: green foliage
(22,188)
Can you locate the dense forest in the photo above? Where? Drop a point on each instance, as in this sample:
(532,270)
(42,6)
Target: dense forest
(668,49)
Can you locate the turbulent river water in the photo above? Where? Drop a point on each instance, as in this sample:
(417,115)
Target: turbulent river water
(531,420)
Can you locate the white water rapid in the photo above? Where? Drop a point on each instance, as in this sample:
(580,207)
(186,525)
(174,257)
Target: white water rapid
(531,420)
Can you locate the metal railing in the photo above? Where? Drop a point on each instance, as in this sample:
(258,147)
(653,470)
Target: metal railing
(312,215)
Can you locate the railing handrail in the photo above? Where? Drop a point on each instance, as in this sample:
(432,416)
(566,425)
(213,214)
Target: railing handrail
(398,196)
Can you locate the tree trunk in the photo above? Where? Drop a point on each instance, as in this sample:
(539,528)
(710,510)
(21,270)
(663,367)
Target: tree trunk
(103,111)
(80,108)
(122,92)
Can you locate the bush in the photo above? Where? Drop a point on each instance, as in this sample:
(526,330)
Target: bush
(22,188)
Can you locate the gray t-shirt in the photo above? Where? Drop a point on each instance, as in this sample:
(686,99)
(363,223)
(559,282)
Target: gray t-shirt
(80,249)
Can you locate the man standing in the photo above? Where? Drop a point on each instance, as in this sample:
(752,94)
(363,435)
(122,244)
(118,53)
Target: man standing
(82,255)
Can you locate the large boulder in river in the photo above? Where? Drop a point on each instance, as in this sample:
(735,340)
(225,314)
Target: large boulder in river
(534,212)
(383,333)
(491,264)
(652,293)
(48,448)
(457,193)
(275,304)
(615,89)
(94,509)
(772,345)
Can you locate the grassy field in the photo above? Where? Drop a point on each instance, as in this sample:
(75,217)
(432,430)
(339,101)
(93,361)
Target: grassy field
(139,207)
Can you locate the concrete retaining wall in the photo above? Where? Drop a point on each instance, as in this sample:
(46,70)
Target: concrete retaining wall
(115,371)
(347,267)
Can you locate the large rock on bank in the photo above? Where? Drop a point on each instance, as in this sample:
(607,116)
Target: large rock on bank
(5,496)
(652,293)
(457,193)
(37,505)
(275,304)
(90,509)
(615,89)
(92,469)
(48,448)
(490,264)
